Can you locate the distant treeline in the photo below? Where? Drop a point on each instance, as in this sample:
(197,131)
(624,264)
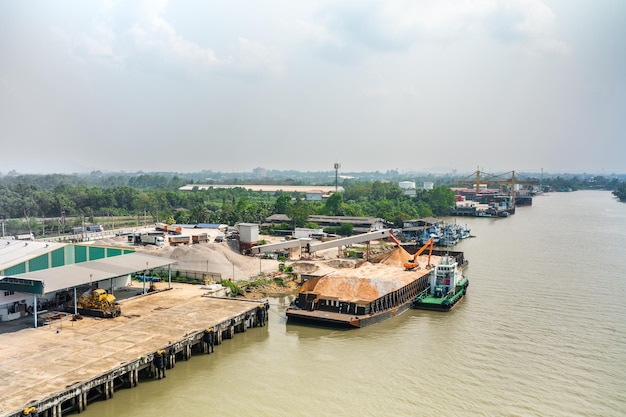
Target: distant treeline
(621,192)
(573,183)
(24,199)
(576,182)
(73,198)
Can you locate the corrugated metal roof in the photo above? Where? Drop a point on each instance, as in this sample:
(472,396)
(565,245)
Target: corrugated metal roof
(265,188)
(13,252)
(344,219)
(65,277)
(209,225)
(278,218)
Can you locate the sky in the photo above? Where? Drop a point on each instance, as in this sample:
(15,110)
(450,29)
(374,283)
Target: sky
(407,85)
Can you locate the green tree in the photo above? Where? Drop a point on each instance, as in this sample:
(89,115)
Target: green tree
(620,192)
(332,206)
(283,202)
(441,200)
(299,212)
(199,214)
(346,229)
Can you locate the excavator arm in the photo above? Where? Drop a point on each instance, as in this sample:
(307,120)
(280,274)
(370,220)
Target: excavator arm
(393,238)
(412,263)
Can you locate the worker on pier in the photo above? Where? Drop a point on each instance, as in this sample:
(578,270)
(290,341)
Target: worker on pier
(159,363)
(261,314)
(209,339)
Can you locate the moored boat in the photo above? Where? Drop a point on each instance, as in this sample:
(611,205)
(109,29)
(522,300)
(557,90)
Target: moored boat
(446,288)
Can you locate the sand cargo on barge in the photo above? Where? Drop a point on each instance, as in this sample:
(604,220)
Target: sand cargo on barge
(372,292)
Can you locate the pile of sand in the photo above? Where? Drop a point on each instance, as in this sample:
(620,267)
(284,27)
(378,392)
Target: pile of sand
(305,267)
(395,257)
(365,283)
(342,263)
(223,259)
(217,258)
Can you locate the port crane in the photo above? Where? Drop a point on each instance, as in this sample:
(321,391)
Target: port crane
(475,179)
(412,262)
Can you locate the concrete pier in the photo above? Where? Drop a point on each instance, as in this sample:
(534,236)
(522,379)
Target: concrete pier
(63,367)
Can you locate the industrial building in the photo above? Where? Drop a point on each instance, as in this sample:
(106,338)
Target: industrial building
(361,224)
(33,273)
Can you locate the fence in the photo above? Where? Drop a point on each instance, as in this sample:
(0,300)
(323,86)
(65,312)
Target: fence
(189,276)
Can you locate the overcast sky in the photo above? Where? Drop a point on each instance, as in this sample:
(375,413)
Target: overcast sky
(374,85)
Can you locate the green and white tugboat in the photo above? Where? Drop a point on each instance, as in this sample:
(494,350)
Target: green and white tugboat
(447,287)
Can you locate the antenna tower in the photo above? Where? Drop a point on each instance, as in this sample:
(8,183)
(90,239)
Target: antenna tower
(337,166)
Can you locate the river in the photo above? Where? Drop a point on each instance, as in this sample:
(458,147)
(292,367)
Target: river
(542,332)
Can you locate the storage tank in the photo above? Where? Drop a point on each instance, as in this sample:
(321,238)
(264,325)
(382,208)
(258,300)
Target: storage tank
(407,185)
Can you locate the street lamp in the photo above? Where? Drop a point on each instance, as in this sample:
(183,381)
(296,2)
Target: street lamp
(145,276)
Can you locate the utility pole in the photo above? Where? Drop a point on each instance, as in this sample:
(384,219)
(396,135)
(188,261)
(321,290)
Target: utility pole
(145,277)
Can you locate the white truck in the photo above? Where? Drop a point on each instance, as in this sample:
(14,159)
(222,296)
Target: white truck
(147,239)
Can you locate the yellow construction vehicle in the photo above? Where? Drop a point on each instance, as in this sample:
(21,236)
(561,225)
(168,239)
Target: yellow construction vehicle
(98,303)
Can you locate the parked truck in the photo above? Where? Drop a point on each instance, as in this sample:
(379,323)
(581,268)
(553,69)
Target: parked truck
(147,239)
(174,230)
(25,236)
(201,238)
(179,240)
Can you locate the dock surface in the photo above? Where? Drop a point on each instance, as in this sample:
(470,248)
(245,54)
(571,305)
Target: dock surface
(39,362)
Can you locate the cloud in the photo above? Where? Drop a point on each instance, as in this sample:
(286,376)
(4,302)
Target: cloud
(393,25)
(529,21)
(255,59)
(157,41)
(141,37)
(321,39)
(99,45)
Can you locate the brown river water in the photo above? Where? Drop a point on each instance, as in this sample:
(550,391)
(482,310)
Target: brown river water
(542,332)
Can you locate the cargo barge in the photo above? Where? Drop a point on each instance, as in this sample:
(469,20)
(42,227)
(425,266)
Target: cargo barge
(370,293)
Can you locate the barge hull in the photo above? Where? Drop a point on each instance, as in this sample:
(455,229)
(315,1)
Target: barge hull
(435,305)
(439,303)
(330,319)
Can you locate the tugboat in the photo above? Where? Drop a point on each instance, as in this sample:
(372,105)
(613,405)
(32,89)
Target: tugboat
(447,287)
